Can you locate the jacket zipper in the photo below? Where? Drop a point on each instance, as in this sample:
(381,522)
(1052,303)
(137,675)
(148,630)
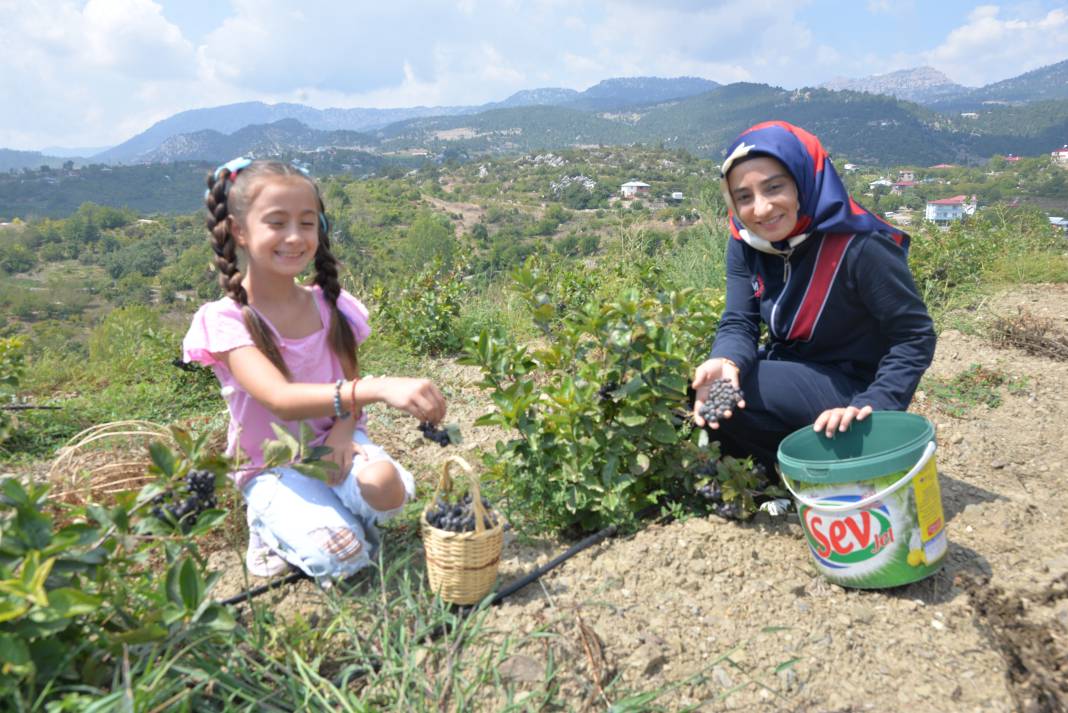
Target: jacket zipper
(785,284)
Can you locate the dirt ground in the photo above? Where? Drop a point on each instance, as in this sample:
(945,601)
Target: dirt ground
(727,616)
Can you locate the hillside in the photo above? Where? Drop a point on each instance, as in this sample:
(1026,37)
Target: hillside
(922,85)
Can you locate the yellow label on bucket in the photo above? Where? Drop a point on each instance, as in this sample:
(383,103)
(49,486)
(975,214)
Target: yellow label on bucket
(928,502)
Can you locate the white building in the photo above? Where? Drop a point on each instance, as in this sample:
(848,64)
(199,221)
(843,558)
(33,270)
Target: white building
(633,189)
(880,182)
(947,210)
(1060,155)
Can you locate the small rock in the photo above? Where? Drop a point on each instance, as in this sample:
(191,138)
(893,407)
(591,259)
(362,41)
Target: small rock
(521,668)
(937,625)
(957,439)
(722,677)
(998,464)
(649,659)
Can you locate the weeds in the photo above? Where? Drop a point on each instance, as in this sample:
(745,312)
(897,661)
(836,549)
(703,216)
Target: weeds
(1032,334)
(975,386)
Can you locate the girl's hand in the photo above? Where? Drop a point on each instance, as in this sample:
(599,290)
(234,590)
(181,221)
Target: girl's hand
(419,397)
(838,419)
(339,440)
(713,370)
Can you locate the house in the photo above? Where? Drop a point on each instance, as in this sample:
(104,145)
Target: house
(947,210)
(1057,222)
(677,196)
(943,165)
(880,182)
(969,115)
(1012,158)
(901,185)
(1060,155)
(906,176)
(850,167)
(633,189)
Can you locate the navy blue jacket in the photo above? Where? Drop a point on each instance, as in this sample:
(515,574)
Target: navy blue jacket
(843,301)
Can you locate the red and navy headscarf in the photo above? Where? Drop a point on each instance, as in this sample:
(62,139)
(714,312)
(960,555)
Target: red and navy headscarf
(826,207)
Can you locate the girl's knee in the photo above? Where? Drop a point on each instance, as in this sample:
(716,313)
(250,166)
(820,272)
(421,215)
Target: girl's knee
(381,486)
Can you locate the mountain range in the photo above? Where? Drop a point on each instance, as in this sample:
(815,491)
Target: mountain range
(910,116)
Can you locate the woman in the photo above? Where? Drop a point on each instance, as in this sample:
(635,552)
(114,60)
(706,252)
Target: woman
(847,332)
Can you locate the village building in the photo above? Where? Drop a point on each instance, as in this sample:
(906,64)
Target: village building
(677,196)
(1012,158)
(898,187)
(633,189)
(880,182)
(948,210)
(1059,223)
(906,175)
(1060,155)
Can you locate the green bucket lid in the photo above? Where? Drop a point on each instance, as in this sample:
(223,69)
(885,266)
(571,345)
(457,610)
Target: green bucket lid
(885,442)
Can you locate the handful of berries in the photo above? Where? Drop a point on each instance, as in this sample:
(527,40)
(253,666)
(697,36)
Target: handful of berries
(447,436)
(185,503)
(722,397)
(459,516)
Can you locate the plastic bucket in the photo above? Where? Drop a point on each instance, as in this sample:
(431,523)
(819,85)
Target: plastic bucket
(869,499)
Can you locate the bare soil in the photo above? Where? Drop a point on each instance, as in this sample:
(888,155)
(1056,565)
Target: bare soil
(719,615)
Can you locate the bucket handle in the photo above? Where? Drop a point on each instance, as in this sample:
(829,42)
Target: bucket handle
(905,479)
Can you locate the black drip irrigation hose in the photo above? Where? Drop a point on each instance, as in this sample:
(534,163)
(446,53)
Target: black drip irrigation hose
(506,591)
(373,665)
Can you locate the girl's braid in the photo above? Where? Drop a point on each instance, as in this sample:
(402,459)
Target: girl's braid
(342,340)
(225,248)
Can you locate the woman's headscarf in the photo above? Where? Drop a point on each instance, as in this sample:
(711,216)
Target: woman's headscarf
(826,207)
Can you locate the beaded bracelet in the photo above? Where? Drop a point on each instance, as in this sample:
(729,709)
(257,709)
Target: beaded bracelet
(337,400)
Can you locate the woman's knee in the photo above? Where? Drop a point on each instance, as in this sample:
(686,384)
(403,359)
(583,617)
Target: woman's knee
(381,485)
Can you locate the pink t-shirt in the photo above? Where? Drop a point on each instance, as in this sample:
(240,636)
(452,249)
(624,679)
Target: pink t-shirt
(218,328)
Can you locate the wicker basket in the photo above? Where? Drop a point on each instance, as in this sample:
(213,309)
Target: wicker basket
(462,566)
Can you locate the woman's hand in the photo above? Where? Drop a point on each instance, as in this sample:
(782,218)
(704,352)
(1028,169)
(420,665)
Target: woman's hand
(419,397)
(708,372)
(339,440)
(838,419)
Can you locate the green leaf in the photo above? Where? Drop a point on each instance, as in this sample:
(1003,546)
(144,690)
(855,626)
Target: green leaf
(162,457)
(191,584)
(15,655)
(217,617)
(206,521)
(663,432)
(286,438)
(631,419)
(142,634)
(276,453)
(70,602)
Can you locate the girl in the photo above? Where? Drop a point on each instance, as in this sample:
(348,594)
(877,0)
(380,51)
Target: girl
(847,331)
(286,352)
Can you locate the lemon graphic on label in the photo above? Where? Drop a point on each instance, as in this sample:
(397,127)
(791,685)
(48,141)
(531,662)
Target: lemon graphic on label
(916,554)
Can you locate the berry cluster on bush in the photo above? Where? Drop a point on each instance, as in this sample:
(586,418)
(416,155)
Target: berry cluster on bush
(459,516)
(184,504)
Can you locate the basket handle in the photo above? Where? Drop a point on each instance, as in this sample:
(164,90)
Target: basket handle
(865,502)
(445,485)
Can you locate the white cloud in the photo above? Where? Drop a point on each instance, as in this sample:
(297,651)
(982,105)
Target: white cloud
(73,69)
(989,48)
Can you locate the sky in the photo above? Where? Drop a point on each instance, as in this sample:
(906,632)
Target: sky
(93,73)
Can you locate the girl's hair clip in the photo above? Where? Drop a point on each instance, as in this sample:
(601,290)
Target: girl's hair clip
(234,166)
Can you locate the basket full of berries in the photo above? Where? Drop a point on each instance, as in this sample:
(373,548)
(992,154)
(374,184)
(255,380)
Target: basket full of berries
(462,537)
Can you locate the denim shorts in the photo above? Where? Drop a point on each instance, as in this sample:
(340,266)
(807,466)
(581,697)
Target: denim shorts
(327,531)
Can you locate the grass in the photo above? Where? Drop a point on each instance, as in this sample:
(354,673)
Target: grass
(972,388)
